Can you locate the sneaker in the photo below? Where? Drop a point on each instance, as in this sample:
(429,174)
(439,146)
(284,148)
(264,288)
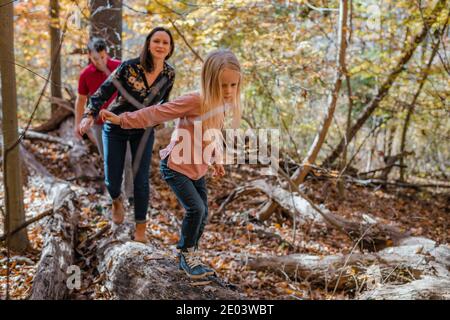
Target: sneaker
(191,264)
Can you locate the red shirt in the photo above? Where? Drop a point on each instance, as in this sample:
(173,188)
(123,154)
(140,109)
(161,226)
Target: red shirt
(91,79)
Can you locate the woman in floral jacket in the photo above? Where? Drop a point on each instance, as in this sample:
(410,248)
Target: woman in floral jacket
(140,82)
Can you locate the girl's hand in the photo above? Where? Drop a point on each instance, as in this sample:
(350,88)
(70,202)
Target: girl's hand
(218,170)
(109,116)
(86,124)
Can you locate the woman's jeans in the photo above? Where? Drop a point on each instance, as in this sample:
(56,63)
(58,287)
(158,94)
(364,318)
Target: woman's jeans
(192,194)
(115,145)
(127,185)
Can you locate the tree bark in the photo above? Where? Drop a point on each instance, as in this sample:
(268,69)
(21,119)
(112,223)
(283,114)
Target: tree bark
(422,257)
(55,56)
(50,280)
(106,23)
(15,215)
(427,288)
(385,87)
(134,271)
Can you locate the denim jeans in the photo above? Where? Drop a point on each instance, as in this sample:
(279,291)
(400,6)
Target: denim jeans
(115,145)
(192,194)
(127,184)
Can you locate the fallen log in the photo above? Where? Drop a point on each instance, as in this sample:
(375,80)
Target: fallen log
(324,174)
(81,164)
(33,135)
(134,271)
(321,173)
(374,235)
(419,257)
(59,238)
(60,115)
(375,182)
(66,109)
(32,163)
(427,288)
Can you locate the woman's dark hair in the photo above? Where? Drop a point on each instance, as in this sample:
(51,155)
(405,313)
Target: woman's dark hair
(146,58)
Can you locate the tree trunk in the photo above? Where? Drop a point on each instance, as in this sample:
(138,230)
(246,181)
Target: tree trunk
(343,165)
(371,152)
(106,23)
(1,129)
(134,271)
(412,105)
(427,288)
(33,135)
(50,280)
(385,87)
(55,56)
(421,258)
(82,165)
(15,215)
(300,174)
(390,141)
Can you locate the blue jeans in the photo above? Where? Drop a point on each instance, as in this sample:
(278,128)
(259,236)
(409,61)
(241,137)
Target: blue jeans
(127,185)
(192,194)
(115,145)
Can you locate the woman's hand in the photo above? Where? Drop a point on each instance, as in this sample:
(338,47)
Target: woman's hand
(86,124)
(218,170)
(76,131)
(109,116)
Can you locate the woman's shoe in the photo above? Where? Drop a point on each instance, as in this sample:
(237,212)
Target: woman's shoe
(118,211)
(139,234)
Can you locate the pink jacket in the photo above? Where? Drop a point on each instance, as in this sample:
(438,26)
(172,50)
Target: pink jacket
(186,109)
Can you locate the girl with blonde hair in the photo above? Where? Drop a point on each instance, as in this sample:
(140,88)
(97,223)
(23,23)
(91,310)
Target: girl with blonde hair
(186,159)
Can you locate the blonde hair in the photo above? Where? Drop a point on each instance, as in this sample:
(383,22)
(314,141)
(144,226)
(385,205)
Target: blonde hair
(213,107)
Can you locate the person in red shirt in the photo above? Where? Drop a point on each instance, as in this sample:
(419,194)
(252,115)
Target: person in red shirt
(91,78)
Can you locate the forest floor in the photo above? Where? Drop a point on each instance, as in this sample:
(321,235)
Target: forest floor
(230,237)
